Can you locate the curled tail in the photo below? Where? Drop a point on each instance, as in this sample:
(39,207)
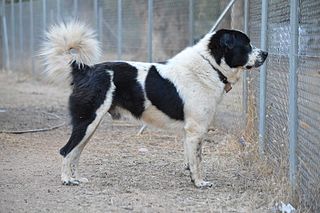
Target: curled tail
(66,43)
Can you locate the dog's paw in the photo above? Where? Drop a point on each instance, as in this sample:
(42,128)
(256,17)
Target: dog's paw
(71,182)
(74,181)
(203,184)
(186,166)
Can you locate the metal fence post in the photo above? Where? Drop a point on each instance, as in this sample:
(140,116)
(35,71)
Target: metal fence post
(13,33)
(6,42)
(150,29)
(58,10)
(6,56)
(44,14)
(191,22)
(119,30)
(96,17)
(31,36)
(263,76)
(20,29)
(75,8)
(245,73)
(293,81)
(1,30)
(100,24)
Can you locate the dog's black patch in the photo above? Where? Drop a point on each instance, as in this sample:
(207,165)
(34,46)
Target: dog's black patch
(90,86)
(232,45)
(128,93)
(164,95)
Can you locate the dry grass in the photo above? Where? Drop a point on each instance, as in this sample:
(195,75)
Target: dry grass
(260,179)
(261,173)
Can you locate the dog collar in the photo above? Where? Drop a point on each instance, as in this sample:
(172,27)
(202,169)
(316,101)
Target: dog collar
(223,78)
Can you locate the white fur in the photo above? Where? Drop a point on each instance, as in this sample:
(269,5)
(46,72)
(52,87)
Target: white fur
(65,43)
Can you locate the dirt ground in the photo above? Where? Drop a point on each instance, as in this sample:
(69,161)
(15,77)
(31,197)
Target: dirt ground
(126,172)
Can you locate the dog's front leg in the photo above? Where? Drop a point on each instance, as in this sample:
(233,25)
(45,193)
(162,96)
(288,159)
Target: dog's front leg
(186,160)
(193,146)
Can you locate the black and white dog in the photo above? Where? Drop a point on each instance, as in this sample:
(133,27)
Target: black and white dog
(182,92)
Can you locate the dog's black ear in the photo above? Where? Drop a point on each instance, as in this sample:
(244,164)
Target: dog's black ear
(227,40)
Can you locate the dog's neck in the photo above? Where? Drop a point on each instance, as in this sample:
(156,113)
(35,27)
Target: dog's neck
(223,78)
(233,74)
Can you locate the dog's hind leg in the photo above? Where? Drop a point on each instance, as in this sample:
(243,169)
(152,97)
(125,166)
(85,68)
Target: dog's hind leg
(84,126)
(80,136)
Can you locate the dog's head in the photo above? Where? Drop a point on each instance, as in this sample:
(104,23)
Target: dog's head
(233,49)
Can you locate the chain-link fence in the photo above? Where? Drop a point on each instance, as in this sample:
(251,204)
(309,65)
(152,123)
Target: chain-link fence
(291,122)
(141,30)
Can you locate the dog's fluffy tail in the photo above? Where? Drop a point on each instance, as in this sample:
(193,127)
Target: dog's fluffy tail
(66,43)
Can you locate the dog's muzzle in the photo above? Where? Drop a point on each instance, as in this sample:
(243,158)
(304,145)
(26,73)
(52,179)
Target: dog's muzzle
(261,59)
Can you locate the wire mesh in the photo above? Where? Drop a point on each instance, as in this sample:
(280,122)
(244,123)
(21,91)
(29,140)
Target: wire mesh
(204,12)
(308,147)
(38,32)
(308,141)
(25,56)
(108,29)
(277,78)
(134,29)
(170,34)
(254,34)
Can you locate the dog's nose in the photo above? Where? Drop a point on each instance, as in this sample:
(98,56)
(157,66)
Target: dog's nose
(264,54)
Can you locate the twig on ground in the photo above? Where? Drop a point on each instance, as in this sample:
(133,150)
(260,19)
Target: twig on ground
(32,130)
(36,130)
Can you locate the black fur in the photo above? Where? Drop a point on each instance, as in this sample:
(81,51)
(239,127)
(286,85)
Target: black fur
(128,93)
(90,86)
(164,95)
(233,46)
